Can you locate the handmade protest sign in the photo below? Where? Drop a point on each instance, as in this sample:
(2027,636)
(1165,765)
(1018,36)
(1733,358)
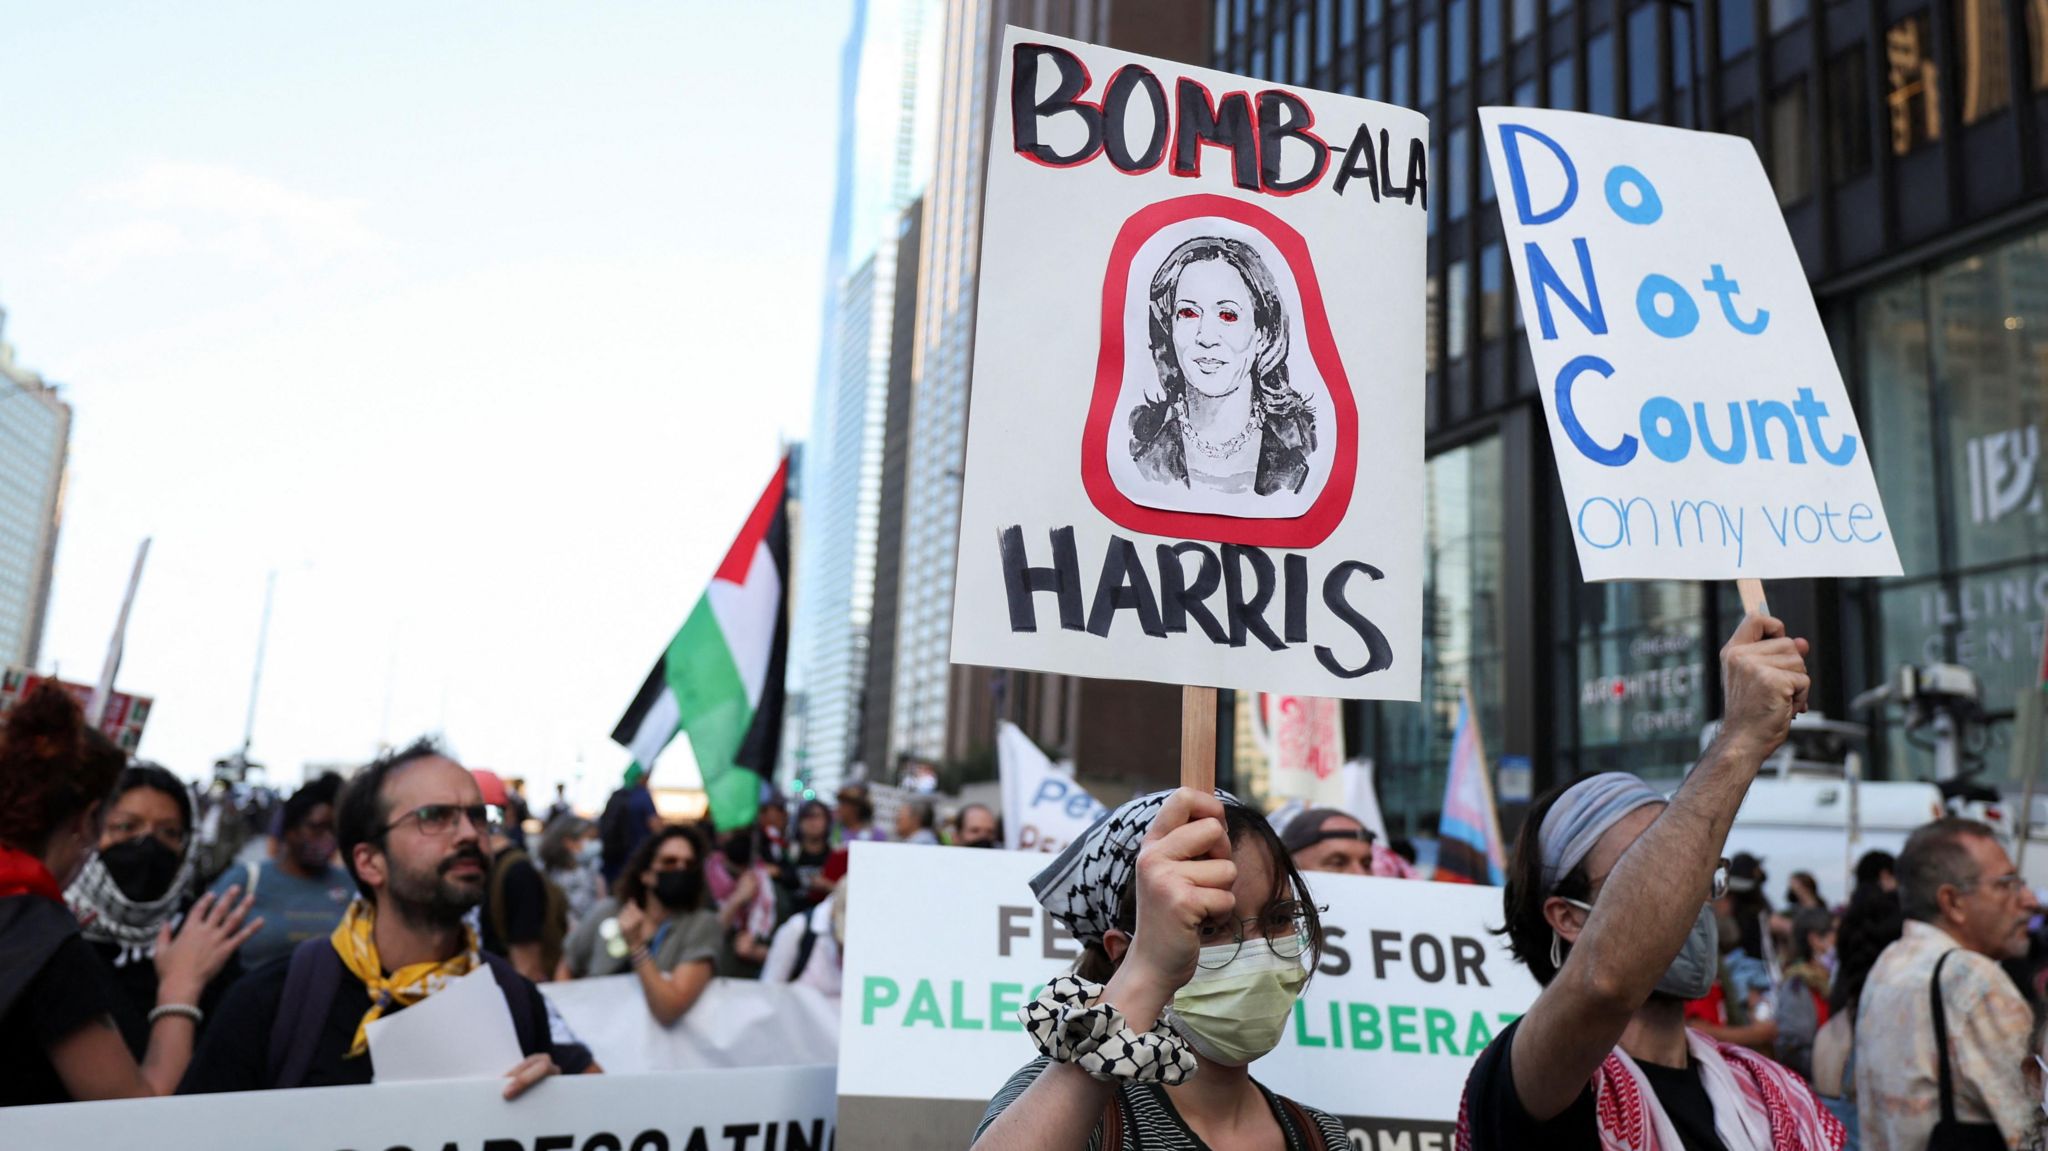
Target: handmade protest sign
(1410,988)
(1700,425)
(1195,446)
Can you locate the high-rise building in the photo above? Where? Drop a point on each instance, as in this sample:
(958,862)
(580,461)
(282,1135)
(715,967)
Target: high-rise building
(35,435)
(879,674)
(884,154)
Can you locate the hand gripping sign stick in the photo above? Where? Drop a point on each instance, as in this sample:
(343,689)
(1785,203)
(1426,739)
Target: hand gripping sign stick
(1198,738)
(1752,593)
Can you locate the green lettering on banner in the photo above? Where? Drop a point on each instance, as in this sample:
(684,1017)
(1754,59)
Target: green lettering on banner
(1401,1021)
(1440,1026)
(1365,1027)
(924,1007)
(1477,1036)
(1301,1035)
(1336,1024)
(1507,1017)
(961,1020)
(877,992)
(1004,1001)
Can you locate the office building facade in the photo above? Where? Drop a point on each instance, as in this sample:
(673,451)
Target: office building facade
(35,437)
(1905,142)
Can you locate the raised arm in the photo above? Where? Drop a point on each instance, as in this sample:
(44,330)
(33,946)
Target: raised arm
(1651,898)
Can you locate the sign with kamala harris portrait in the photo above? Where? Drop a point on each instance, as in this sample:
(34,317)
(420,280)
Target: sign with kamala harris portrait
(1195,445)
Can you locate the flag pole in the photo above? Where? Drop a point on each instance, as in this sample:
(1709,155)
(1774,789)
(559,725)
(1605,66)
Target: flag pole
(105,690)
(1198,737)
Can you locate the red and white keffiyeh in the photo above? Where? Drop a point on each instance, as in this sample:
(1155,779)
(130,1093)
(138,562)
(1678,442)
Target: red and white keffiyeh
(1758,1104)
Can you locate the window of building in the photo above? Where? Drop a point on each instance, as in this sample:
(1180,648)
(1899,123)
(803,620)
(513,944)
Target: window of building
(1457,289)
(1398,91)
(1847,113)
(1557,7)
(1326,31)
(1258,63)
(1636,674)
(1600,74)
(1375,82)
(1791,166)
(1239,17)
(1425,63)
(1463,628)
(1457,38)
(1642,59)
(1740,121)
(1457,190)
(2037,39)
(1738,28)
(1221,23)
(1372,13)
(1980,29)
(1489,31)
(1523,15)
(1563,85)
(1347,22)
(1493,302)
(1280,58)
(1683,66)
(1785,13)
(1301,46)
(1910,85)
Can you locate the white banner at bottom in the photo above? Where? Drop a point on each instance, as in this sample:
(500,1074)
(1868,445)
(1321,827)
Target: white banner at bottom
(784,1108)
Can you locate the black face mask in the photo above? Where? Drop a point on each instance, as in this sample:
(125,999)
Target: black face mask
(983,843)
(142,868)
(678,890)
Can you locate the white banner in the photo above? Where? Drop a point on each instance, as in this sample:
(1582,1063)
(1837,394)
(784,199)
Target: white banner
(1304,744)
(787,1109)
(736,1023)
(1043,808)
(1411,987)
(1195,449)
(1698,418)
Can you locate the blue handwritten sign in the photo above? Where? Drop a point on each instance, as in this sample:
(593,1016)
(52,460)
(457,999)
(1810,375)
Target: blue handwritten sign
(1699,421)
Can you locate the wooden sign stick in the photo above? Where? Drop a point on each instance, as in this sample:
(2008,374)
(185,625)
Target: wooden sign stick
(1198,738)
(1752,593)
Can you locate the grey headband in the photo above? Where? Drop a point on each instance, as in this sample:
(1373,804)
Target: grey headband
(1582,815)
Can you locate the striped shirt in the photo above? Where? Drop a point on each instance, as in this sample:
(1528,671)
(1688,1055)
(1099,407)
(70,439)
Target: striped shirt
(1150,1122)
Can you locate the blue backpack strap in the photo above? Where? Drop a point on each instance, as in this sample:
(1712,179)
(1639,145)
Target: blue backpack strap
(535,1035)
(309,987)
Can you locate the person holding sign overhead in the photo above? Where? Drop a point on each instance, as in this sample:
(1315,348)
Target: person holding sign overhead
(1198,935)
(1608,904)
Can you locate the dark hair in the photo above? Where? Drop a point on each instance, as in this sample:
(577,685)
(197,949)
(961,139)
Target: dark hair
(1934,858)
(1810,921)
(1872,923)
(1242,823)
(961,815)
(299,807)
(629,889)
(1812,885)
(1528,932)
(156,778)
(360,814)
(53,766)
(1873,866)
(804,812)
(554,841)
(927,818)
(1269,317)
(856,797)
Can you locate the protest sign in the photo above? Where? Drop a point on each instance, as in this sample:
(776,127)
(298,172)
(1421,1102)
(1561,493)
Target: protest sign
(786,1109)
(122,720)
(735,1023)
(1043,808)
(1700,425)
(1192,285)
(1303,738)
(1411,988)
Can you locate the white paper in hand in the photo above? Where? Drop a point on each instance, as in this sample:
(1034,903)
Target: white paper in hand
(463,1031)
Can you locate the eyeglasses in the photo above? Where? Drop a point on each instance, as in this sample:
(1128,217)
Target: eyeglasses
(438,819)
(2004,884)
(1716,888)
(1285,931)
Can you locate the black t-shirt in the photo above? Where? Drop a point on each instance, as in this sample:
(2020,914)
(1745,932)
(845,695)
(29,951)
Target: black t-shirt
(134,985)
(234,1054)
(524,913)
(69,991)
(1499,1123)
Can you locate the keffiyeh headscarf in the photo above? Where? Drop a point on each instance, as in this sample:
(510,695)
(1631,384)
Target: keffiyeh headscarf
(106,915)
(1084,886)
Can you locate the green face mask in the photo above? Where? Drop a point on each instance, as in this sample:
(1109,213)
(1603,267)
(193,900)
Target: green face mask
(1235,1013)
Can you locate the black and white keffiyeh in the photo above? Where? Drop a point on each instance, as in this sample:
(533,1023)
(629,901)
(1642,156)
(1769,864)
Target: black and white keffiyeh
(1083,887)
(105,915)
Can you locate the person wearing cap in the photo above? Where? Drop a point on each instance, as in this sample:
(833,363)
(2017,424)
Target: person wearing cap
(1327,840)
(525,917)
(1197,934)
(1609,904)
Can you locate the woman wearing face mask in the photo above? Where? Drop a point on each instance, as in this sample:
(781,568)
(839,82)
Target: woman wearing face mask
(57,1002)
(132,894)
(300,891)
(1199,934)
(1800,1002)
(660,926)
(569,851)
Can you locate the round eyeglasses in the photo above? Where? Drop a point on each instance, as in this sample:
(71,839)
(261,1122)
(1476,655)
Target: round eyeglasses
(1283,929)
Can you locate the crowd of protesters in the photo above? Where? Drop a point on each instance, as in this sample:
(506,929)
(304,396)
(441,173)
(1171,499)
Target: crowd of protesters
(1682,1008)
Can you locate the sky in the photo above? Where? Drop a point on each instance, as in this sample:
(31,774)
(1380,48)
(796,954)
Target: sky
(481,325)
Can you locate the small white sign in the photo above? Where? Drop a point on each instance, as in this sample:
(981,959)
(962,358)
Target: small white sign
(1699,421)
(463,1031)
(1043,808)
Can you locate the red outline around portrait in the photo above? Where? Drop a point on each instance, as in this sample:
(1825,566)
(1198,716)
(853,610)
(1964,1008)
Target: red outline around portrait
(1310,528)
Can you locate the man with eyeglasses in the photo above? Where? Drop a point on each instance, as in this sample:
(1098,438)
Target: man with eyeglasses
(412,828)
(1609,904)
(1967,909)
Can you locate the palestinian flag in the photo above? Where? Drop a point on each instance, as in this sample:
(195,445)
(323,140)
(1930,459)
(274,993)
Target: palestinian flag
(720,680)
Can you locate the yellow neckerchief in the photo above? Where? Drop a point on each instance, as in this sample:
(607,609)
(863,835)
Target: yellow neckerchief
(354,940)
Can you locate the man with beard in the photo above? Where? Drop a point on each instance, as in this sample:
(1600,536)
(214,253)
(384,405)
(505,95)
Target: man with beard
(411,827)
